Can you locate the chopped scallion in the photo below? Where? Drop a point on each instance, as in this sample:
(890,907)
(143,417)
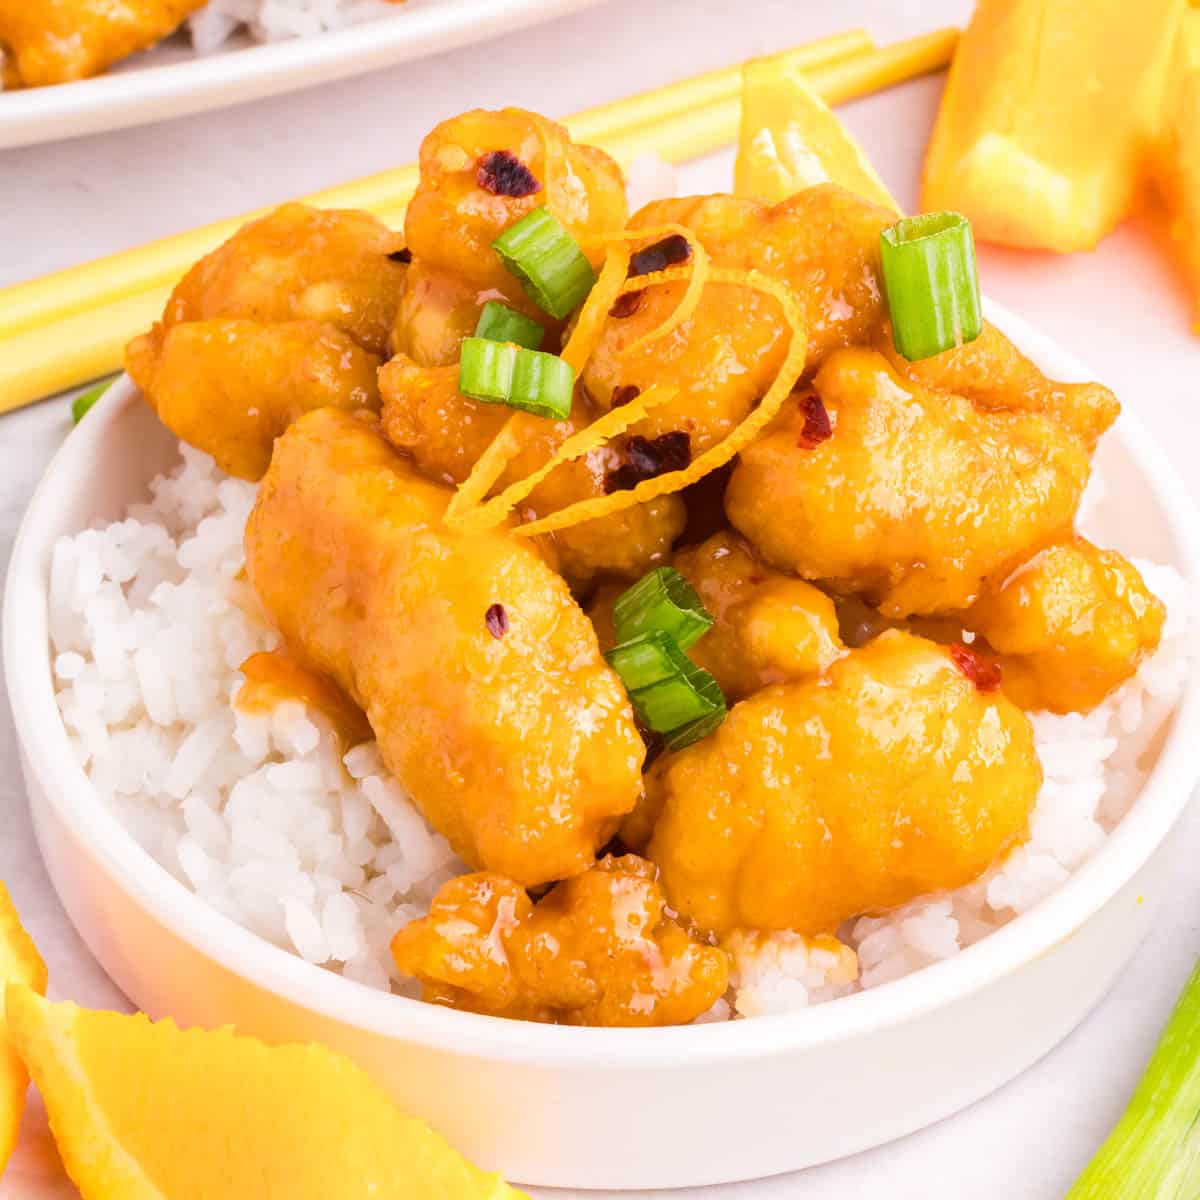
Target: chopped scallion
(502,373)
(932,284)
(693,731)
(665,601)
(499,323)
(548,262)
(667,690)
(82,403)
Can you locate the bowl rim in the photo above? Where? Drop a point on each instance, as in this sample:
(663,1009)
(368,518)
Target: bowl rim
(43,738)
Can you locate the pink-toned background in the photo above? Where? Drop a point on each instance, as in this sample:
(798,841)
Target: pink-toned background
(1118,309)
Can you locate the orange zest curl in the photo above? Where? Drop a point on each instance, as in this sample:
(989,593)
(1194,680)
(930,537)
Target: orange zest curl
(495,511)
(715,456)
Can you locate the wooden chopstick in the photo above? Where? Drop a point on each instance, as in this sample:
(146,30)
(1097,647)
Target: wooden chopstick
(26,305)
(70,328)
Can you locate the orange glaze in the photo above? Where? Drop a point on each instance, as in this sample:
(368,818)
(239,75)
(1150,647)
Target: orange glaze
(916,497)
(506,727)
(891,776)
(1070,626)
(599,949)
(273,677)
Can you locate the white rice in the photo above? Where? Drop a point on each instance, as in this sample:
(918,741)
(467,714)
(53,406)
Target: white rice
(325,856)
(275,20)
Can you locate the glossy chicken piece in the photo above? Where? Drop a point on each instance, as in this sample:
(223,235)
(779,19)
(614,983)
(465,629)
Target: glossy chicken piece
(892,776)
(482,171)
(438,310)
(599,949)
(480,676)
(231,388)
(1070,626)
(301,263)
(823,243)
(445,433)
(993,374)
(908,497)
(57,41)
(767,627)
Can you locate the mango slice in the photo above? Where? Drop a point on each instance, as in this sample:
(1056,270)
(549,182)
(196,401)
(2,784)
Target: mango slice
(144,1111)
(1048,118)
(19,963)
(790,139)
(1177,161)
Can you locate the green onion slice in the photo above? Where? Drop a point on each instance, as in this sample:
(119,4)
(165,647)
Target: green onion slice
(83,403)
(932,284)
(548,262)
(502,373)
(499,323)
(665,601)
(667,690)
(693,731)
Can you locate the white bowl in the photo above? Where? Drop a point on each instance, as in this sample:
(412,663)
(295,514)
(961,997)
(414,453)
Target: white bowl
(610,1108)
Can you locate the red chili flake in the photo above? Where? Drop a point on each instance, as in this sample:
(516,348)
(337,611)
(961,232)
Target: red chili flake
(646,458)
(401,256)
(503,174)
(496,620)
(817,428)
(626,305)
(982,672)
(670,252)
(623,393)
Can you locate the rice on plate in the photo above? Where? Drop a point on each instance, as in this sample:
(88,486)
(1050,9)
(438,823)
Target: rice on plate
(323,854)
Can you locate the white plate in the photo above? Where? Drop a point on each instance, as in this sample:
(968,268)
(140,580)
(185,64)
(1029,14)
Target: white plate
(172,82)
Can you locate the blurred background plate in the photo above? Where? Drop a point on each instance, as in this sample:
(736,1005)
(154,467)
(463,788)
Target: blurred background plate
(172,80)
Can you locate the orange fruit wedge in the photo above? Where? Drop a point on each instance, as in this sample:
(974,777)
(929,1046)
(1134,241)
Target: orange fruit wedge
(1048,117)
(1177,162)
(790,139)
(146,1111)
(19,963)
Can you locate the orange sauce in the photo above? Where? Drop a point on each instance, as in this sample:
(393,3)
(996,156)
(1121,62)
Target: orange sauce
(274,676)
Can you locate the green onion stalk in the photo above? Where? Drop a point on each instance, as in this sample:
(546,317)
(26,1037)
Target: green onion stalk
(1154,1151)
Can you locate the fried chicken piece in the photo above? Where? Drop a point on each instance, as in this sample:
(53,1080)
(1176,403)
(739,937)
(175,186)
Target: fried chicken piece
(893,775)
(482,171)
(232,387)
(445,433)
(301,263)
(908,497)
(438,310)
(823,243)
(993,374)
(1070,626)
(477,671)
(58,41)
(767,627)
(599,949)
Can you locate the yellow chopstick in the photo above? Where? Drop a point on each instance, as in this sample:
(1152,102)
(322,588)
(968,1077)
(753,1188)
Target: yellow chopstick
(67,346)
(25,305)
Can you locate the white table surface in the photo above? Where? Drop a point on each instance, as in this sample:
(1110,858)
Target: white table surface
(1119,309)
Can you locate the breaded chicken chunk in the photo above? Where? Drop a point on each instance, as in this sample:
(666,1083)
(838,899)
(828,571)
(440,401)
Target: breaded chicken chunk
(1070,626)
(768,627)
(911,498)
(904,770)
(480,676)
(445,433)
(483,171)
(599,949)
(993,374)
(339,266)
(57,41)
(823,243)
(232,387)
